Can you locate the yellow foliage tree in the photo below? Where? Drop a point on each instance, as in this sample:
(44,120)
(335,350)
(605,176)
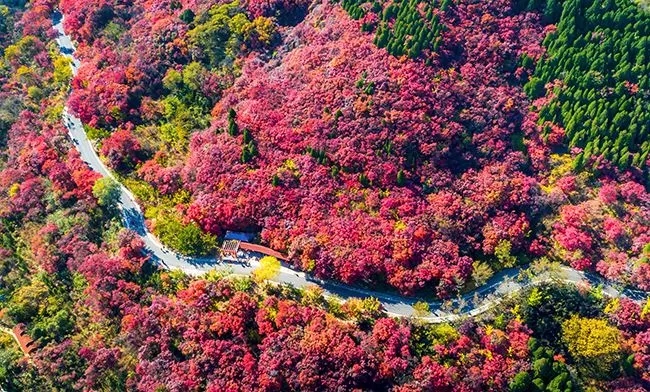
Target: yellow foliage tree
(312,295)
(593,344)
(421,309)
(263,27)
(535,298)
(62,70)
(365,309)
(444,334)
(268,269)
(481,273)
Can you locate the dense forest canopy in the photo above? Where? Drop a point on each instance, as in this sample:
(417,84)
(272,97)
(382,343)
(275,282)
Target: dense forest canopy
(597,68)
(418,146)
(397,145)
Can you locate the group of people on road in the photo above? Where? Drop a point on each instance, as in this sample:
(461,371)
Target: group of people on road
(68,123)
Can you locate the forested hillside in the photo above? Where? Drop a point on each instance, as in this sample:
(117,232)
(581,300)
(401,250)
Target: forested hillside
(415,146)
(596,70)
(396,145)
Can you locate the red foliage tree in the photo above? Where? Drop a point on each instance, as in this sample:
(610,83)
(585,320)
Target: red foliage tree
(122,150)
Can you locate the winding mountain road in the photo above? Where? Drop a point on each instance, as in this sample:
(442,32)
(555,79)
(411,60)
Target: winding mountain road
(502,284)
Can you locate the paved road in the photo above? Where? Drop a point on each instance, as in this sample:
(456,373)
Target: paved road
(500,285)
